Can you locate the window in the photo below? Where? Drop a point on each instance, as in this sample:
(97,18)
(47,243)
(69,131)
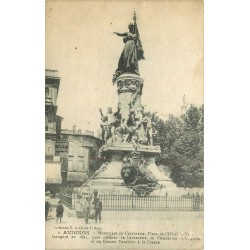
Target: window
(81,166)
(46,92)
(92,155)
(49,148)
(70,166)
(54,95)
(80,151)
(71,150)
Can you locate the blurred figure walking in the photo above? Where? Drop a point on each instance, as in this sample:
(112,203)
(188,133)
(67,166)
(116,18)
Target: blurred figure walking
(59,211)
(47,209)
(86,209)
(98,210)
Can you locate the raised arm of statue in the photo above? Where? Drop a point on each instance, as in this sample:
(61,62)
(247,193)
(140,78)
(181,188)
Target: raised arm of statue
(101,112)
(120,34)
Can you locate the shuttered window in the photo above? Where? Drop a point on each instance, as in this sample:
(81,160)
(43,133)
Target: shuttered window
(81,151)
(70,166)
(81,166)
(71,151)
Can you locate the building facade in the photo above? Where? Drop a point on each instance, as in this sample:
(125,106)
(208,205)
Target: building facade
(53,178)
(79,155)
(70,155)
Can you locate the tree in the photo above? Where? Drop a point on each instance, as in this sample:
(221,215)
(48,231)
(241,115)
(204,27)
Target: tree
(182,140)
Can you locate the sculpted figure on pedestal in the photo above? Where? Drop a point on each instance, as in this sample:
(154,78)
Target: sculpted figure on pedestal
(136,174)
(142,138)
(148,125)
(111,120)
(104,127)
(131,128)
(136,128)
(132,52)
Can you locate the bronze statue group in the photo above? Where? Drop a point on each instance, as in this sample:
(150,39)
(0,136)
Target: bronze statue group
(136,128)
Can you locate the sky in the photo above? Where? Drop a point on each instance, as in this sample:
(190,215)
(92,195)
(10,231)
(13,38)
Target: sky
(80,44)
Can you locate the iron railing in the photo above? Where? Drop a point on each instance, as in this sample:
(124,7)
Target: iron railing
(152,202)
(113,202)
(68,199)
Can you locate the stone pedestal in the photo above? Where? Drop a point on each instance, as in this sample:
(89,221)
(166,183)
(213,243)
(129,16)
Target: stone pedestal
(129,89)
(108,180)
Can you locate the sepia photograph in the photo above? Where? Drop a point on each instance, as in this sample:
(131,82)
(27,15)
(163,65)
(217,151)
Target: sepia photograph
(124,124)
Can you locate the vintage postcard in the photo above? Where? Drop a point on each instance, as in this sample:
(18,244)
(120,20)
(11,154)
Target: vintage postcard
(124,125)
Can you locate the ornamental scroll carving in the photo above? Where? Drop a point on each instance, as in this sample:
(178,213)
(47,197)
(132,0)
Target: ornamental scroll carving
(129,85)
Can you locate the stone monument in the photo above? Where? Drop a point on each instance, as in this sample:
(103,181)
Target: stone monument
(128,132)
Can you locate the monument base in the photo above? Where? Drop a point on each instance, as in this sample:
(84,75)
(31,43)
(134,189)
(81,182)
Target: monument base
(117,151)
(108,180)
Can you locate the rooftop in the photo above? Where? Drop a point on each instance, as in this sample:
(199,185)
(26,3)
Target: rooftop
(51,73)
(78,132)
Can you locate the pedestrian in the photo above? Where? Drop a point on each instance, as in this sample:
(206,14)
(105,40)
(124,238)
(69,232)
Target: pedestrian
(98,210)
(47,209)
(86,210)
(59,211)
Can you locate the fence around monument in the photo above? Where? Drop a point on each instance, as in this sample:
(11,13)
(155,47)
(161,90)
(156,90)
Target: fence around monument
(68,199)
(116,202)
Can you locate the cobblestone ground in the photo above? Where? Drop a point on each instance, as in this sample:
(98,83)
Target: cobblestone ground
(127,230)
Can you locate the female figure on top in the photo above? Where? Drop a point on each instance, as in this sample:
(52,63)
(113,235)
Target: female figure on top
(132,52)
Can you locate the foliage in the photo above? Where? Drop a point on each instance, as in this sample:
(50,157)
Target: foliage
(181,140)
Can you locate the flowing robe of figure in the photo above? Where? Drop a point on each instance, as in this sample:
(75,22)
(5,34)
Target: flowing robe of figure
(131,53)
(128,61)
